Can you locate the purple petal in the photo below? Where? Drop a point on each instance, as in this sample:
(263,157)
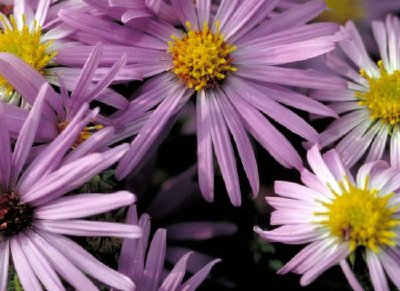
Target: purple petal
(185,10)
(224,151)
(175,277)
(193,282)
(376,272)
(84,205)
(204,148)
(242,141)
(300,78)
(73,175)
(50,158)
(271,139)
(84,80)
(89,264)
(4,263)
(150,136)
(24,270)
(60,263)
(5,150)
(155,260)
(89,228)
(351,278)
(42,267)
(27,134)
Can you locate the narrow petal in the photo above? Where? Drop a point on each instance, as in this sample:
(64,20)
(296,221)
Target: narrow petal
(242,141)
(204,148)
(194,282)
(88,264)
(4,263)
(42,267)
(224,151)
(89,228)
(155,260)
(24,270)
(351,278)
(60,263)
(84,205)
(73,175)
(376,272)
(153,131)
(5,150)
(27,134)
(175,277)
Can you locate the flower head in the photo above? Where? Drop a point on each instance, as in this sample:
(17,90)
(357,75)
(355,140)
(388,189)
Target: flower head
(64,106)
(35,211)
(369,109)
(337,214)
(231,61)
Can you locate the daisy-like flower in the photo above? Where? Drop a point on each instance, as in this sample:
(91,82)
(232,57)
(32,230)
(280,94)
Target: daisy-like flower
(337,214)
(231,62)
(34,33)
(145,267)
(63,107)
(35,213)
(370,107)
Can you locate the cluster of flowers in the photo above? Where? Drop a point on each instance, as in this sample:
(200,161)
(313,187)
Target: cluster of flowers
(246,63)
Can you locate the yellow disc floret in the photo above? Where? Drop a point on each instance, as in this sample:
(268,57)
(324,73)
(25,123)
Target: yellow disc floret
(26,44)
(85,134)
(383,97)
(343,10)
(201,57)
(361,217)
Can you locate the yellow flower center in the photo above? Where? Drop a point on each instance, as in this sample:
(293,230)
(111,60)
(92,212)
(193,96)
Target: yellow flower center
(383,97)
(201,58)
(85,134)
(361,217)
(343,10)
(25,44)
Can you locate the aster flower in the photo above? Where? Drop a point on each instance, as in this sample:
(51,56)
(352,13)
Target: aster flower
(63,107)
(35,213)
(337,214)
(146,270)
(34,33)
(368,108)
(231,61)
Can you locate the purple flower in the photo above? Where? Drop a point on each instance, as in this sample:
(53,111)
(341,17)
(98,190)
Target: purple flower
(147,270)
(35,214)
(231,60)
(336,214)
(34,34)
(369,107)
(63,107)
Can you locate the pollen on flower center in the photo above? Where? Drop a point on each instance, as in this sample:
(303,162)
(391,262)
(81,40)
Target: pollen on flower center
(201,58)
(361,217)
(383,97)
(85,134)
(26,44)
(15,216)
(343,10)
